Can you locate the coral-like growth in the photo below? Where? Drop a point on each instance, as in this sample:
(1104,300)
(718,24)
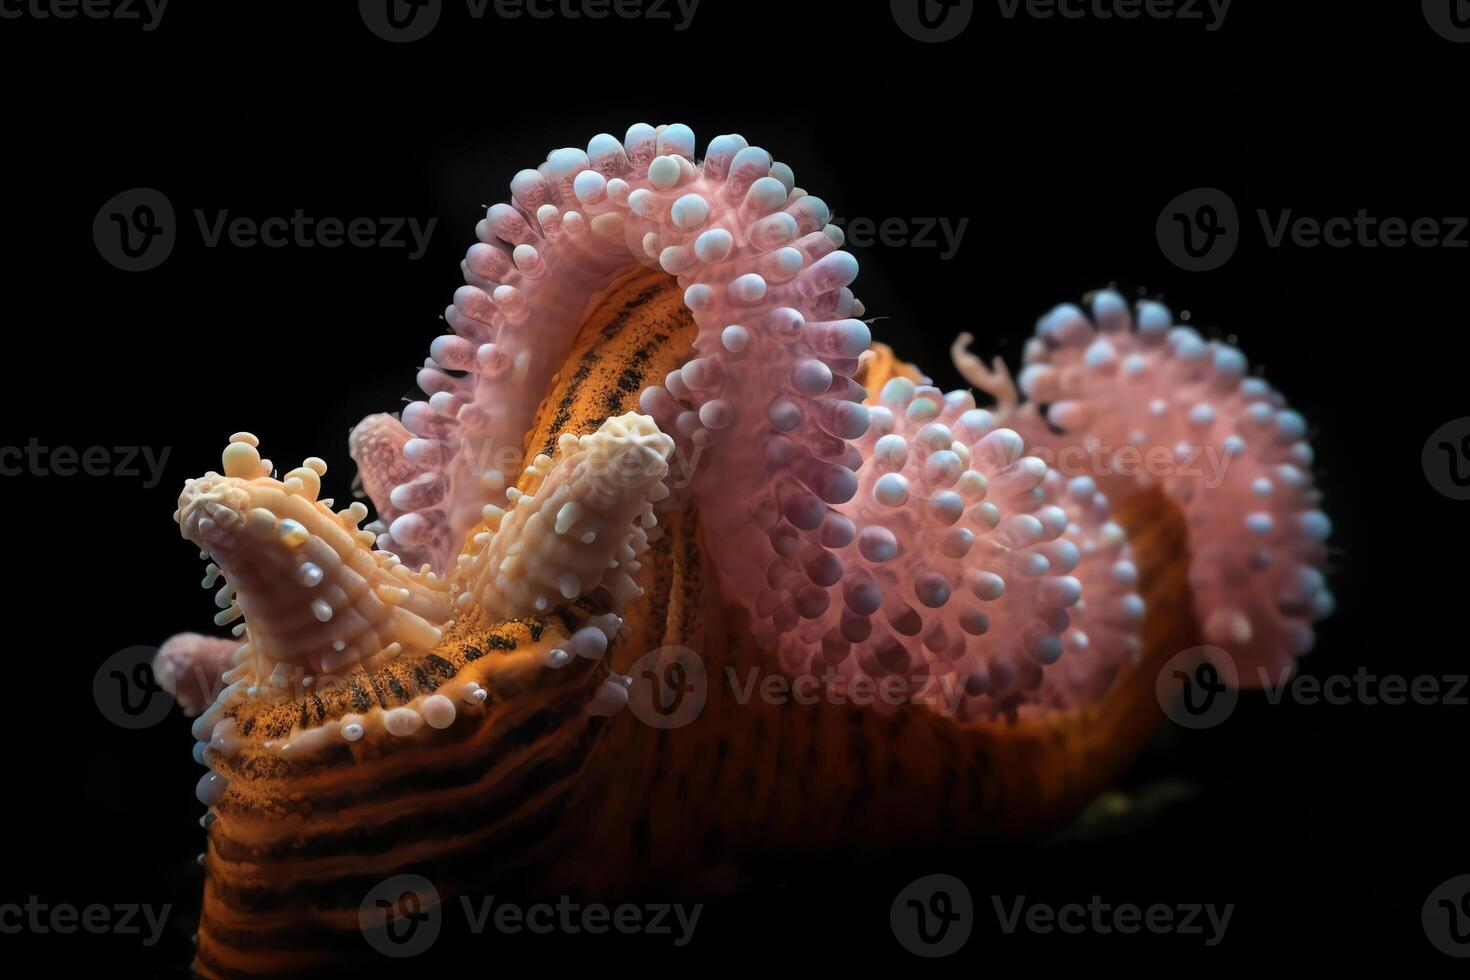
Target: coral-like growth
(583,529)
(915,535)
(312,594)
(910,535)
(950,564)
(1139,401)
(734,228)
(316,603)
(412,693)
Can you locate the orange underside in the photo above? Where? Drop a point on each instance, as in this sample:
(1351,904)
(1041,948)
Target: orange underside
(633,803)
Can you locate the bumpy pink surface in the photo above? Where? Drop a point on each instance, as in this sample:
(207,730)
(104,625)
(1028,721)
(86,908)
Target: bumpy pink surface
(1141,401)
(189,667)
(917,537)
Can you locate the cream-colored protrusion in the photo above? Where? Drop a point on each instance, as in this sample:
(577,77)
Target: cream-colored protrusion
(318,597)
(610,697)
(293,534)
(438,711)
(393,595)
(582,528)
(412,630)
(310,480)
(402,721)
(241,460)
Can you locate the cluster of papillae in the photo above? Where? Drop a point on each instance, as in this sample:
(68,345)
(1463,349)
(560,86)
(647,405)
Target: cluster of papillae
(315,607)
(950,558)
(911,534)
(1139,401)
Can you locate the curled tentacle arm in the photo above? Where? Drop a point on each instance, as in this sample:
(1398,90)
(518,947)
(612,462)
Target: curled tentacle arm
(1135,401)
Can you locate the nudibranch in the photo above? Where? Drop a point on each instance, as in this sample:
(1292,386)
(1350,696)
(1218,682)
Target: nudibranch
(723,465)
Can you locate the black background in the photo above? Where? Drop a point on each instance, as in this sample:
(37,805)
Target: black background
(1059,140)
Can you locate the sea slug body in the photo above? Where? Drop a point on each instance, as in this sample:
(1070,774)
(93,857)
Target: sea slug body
(710,453)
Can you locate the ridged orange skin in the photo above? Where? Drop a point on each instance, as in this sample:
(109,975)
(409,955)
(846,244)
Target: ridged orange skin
(533,789)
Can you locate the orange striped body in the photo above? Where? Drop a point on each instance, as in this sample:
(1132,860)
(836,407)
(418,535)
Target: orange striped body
(531,788)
